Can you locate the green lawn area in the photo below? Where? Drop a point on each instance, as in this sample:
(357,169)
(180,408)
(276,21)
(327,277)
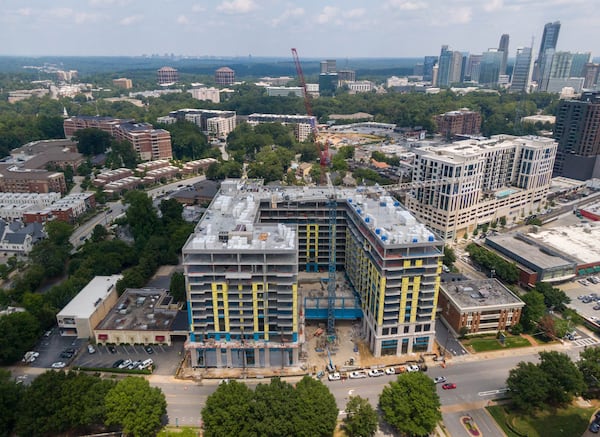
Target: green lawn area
(569,421)
(484,344)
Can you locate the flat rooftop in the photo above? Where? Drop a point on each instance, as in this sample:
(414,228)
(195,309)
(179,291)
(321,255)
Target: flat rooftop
(235,212)
(479,293)
(578,241)
(534,251)
(84,304)
(144,309)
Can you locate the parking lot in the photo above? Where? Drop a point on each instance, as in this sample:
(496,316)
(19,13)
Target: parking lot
(576,290)
(166,358)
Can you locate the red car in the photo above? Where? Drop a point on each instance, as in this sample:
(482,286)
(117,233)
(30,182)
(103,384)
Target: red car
(449,386)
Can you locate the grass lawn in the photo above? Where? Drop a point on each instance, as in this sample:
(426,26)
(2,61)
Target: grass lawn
(569,421)
(491,343)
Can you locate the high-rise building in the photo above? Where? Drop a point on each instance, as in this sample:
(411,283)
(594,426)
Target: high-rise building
(590,74)
(246,305)
(167,76)
(456,68)
(556,68)
(577,131)
(548,42)
(428,63)
(224,76)
(444,70)
(522,71)
(461,122)
(578,63)
(473,68)
(489,70)
(346,75)
(503,47)
(328,83)
(503,176)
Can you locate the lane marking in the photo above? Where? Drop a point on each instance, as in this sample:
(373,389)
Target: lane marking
(493,392)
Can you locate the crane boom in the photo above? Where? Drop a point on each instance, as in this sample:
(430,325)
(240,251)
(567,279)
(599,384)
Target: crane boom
(307,105)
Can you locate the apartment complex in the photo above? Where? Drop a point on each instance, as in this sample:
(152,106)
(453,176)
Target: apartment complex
(213,122)
(203,93)
(304,125)
(461,122)
(224,76)
(480,182)
(242,261)
(149,143)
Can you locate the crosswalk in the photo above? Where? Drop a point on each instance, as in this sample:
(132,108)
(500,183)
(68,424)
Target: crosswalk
(588,341)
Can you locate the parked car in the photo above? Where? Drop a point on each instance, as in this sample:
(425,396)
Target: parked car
(145,364)
(390,371)
(91,349)
(449,386)
(439,379)
(376,372)
(125,363)
(117,363)
(58,365)
(594,426)
(112,349)
(149,349)
(335,376)
(357,374)
(412,368)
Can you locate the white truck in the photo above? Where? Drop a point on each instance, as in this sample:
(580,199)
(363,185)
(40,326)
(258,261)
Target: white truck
(30,357)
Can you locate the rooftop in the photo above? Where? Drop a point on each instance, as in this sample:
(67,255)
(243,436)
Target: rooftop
(84,304)
(578,241)
(478,293)
(141,309)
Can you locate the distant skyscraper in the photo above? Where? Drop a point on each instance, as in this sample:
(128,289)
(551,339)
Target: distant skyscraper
(521,71)
(578,63)
(443,78)
(166,75)
(473,67)
(590,73)
(428,63)
(503,47)
(224,76)
(489,71)
(557,65)
(456,68)
(549,40)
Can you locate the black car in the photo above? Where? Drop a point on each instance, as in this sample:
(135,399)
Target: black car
(594,427)
(112,349)
(149,349)
(117,363)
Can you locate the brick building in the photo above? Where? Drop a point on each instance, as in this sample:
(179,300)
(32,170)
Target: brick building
(461,122)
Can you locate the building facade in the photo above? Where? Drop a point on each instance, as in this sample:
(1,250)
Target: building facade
(167,76)
(123,82)
(521,76)
(213,122)
(548,42)
(461,122)
(241,266)
(480,181)
(304,125)
(211,94)
(224,76)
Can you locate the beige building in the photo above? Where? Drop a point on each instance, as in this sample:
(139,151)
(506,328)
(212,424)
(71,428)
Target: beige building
(123,82)
(478,181)
(89,307)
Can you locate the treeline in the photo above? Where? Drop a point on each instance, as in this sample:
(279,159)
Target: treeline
(59,403)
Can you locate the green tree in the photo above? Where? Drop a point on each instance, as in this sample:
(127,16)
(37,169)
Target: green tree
(227,412)
(553,297)
(271,408)
(410,404)
(361,418)
(10,396)
(18,334)
(565,379)
(449,256)
(177,287)
(136,407)
(99,234)
(534,309)
(528,385)
(92,141)
(589,365)
(316,413)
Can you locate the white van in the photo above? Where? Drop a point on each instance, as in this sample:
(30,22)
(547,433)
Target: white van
(146,363)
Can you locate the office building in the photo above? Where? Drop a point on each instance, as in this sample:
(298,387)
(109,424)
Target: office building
(360,86)
(503,47)
(548,42)
(577,131)
(428,63)
(472,68)
(484,180)
(328,83)
(328,66)
(285,91)
(557,66)
(445,65)
(123,82)
(167,76)
(521,76)
(224,76)
(461,122)
(489,70)
(578,63)
(304,125)
(590,75)
(203,93)
(346,75)
(241,266)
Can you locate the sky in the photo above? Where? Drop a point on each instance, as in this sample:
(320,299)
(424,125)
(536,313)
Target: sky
(317,28)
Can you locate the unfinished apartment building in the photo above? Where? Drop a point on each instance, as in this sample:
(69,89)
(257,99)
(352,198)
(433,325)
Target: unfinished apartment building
(242,262)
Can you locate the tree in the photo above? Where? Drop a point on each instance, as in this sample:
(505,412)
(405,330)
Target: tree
(534,309)
(553,297)
(449,256)
(361,418)
(565,379)
(18,333)
(10,395)
(589,366)
(136,407)
(410,404)
(228,411)
(92,141)
(528,385)
(177,287)
(316,412)
(271,409)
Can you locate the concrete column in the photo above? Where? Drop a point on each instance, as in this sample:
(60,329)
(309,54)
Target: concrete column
(267,362)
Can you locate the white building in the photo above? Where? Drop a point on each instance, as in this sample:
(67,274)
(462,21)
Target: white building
(360,86)
(89,307)
(483,181)
(212,94)
(303,124)
(213,122)
(284,91)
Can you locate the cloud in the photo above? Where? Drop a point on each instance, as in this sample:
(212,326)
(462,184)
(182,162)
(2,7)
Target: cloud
(405,5)
(109,3)
(68,13)
(288,13)
(461,15)
(198,8)
(329,13)
(132,19)
(25,12)
(182,19)
(493,5)
(355,13)
(237,6)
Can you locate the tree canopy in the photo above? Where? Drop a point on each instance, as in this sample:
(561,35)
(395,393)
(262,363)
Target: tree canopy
(361,418)
(411,404)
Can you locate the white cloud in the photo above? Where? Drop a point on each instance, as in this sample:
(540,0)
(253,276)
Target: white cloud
(68,13)
(355,13)
(25,12)
(182,19)
(405,5)
(329,13)
(493,5)
(237,6)
(132,19)
(109,3)
(288,13)
(198,8)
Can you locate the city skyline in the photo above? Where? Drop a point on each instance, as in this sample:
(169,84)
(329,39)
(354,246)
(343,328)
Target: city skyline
(354,28)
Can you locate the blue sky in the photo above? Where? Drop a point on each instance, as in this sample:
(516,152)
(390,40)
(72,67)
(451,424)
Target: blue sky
(317,28)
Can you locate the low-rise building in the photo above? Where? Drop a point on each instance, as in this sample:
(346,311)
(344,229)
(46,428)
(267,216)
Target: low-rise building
(123,82)
(480,306)
(89,307)
(304,125)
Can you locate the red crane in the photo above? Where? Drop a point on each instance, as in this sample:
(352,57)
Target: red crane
(324,150)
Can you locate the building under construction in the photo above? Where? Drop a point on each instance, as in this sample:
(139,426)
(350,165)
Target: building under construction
(242,263)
